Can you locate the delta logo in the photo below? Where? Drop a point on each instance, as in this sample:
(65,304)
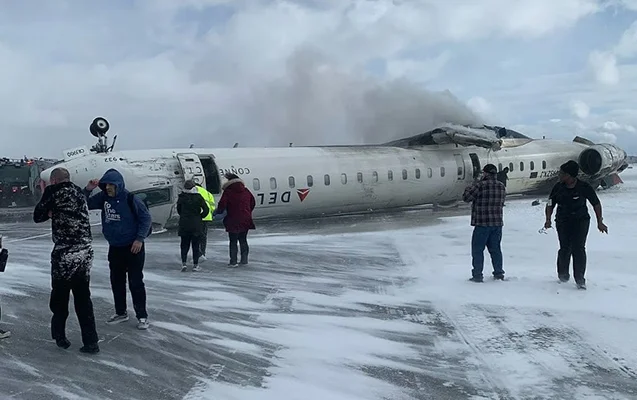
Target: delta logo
(302,193)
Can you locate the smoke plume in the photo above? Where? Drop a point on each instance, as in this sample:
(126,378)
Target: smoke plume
(316,104)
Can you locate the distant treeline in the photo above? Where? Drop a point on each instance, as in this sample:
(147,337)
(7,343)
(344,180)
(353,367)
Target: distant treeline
(631,159)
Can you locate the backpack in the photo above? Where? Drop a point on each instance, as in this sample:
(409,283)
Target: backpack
(131,199)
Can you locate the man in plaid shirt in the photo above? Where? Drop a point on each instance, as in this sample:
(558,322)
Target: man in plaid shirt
(487,195)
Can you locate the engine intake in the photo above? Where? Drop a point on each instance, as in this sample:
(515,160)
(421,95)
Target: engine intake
(601,159)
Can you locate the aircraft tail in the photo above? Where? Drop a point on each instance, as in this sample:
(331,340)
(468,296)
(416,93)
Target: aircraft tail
(611,180)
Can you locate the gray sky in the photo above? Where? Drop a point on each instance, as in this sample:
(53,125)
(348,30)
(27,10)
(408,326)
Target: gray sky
(170,73)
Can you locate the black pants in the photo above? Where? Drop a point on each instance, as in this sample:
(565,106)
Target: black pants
(204,238)
(242,237)
(59,305)
(186,242)
(121,261)
(572,236)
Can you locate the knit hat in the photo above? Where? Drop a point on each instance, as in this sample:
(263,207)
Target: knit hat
(189,184)
(571,168)
(490,169)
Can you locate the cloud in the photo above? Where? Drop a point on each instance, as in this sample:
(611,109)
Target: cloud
(580,109)
(614,126)
(627,45)
(604,65)
(212,72)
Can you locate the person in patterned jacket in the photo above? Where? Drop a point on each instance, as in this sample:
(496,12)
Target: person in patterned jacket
(71,259)
(487,195)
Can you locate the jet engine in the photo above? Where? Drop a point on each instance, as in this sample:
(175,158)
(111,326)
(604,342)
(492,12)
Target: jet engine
(601,160)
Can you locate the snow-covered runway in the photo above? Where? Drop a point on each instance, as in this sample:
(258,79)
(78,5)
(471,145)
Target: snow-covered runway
(357,308)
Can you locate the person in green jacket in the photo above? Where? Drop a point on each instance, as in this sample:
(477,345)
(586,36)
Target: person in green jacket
(210,202)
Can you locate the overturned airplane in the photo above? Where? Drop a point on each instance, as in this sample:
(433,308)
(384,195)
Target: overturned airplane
(291,182)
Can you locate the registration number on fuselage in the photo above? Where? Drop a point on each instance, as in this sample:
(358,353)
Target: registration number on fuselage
(548,174)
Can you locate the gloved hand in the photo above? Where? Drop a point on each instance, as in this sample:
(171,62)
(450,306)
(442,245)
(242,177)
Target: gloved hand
(219,217)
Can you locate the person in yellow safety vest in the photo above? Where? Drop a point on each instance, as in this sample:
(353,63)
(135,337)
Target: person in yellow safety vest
(207,220)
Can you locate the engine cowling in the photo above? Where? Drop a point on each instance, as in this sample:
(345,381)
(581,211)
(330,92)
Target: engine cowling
(601,159)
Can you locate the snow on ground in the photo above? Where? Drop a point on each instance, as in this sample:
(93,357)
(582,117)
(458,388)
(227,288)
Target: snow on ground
(359,308)
(529,337)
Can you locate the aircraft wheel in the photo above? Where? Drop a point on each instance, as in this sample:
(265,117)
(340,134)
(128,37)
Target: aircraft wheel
(99,127)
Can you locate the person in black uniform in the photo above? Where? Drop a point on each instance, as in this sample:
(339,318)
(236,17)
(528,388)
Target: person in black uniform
(192,208)
(572,221)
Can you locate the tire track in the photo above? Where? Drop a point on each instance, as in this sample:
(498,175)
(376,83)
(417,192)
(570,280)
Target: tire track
(533,355)
(464,326)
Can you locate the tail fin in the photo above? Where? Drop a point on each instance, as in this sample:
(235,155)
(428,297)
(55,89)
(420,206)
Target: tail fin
(611,180)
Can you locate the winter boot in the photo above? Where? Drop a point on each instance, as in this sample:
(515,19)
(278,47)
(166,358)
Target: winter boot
(90,348)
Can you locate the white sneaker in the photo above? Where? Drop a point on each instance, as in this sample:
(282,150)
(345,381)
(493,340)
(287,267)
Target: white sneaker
(196,268)
(184,268)
(4,334)
(143,324)
(203,258)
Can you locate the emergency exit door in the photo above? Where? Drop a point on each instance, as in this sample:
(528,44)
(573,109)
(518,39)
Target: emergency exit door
(460,166)
(191,168)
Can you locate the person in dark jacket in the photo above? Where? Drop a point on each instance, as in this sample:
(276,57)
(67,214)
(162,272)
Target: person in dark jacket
(4,255)
(64,203)
(192,208)
(487,195)
(503,176)
(126,222)
(239,203)
(572,221)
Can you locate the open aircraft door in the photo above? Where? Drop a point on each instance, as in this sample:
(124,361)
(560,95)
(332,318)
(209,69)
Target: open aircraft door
(192,168)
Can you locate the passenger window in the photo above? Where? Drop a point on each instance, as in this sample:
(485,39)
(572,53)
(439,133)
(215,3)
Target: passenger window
(310,181)
(154,197)
(404,174)
(291,182)
(510,167)
(256,184)
(359,177)
(543,164)
(375,176)
(442,171)
(499,166)
(417,173)
(430,173)
(344,179)
(521,166)
(272,183)
(531,165)
(390,175)
(327,180)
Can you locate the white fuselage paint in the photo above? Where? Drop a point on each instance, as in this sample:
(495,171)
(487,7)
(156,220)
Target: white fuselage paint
(281,173)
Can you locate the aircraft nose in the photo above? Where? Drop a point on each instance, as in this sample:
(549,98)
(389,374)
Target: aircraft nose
(44,176)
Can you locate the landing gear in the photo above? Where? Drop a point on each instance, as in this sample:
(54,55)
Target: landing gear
(99,127)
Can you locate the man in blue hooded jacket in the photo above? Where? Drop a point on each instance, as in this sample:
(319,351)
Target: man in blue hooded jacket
(125,225)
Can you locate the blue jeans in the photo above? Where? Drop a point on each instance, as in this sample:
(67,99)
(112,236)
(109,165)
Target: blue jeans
(489,237)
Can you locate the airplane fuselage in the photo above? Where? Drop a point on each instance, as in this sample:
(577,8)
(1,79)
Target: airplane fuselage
(294,182)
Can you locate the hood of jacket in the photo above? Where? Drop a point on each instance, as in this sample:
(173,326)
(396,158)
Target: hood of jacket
(113,177)
(192,191)
(234,185)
